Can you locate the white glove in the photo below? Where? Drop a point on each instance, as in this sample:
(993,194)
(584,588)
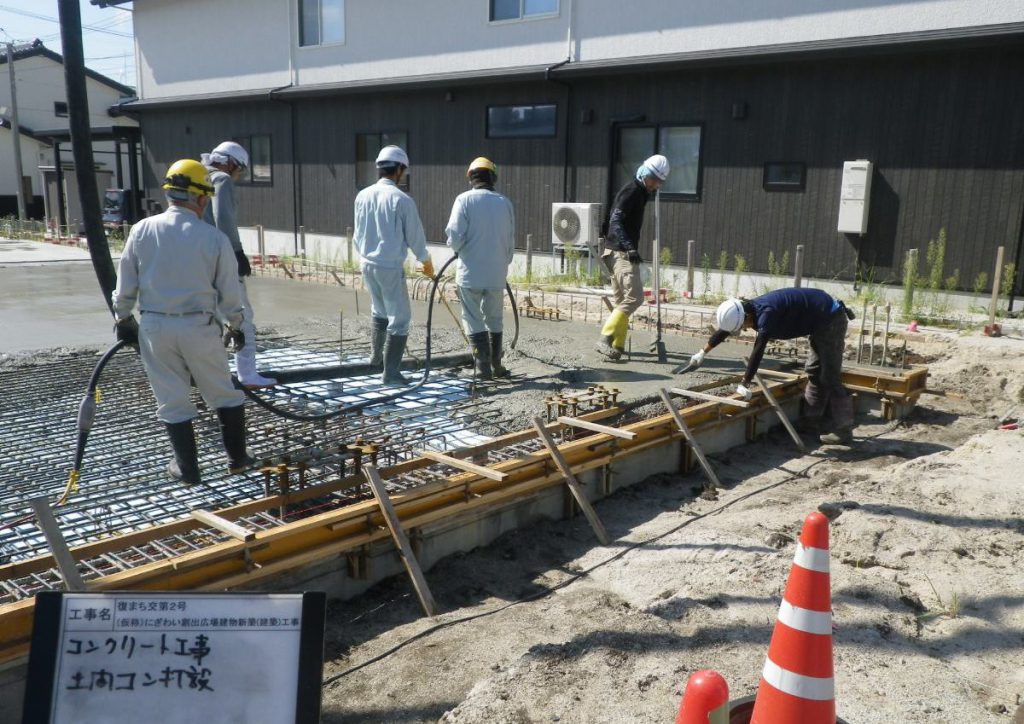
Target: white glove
(744,392)
(697,360)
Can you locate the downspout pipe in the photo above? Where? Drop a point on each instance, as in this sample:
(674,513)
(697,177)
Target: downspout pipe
(296,177)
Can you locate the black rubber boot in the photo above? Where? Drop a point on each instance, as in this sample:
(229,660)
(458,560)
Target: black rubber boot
(232,431)
(604,346)
(394,348)
(496,354)
(379,334)
(184,467)
(482,355)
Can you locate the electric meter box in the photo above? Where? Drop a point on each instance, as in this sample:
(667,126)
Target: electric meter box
(855,197)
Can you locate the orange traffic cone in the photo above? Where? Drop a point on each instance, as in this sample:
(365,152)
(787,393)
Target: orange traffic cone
(797,682)
(706,699)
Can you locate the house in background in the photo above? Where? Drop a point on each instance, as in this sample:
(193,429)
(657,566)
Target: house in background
(51,191)
(758,106)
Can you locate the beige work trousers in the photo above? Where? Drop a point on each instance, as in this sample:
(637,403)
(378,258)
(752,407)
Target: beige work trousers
(627,281)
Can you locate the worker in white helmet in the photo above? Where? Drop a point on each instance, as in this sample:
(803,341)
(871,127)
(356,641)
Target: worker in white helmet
(182,274)
(481,231)
(226,163)
(787,314)
(621,254)
(387,228)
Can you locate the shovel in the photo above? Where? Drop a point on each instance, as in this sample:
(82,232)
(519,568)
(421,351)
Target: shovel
(684,368)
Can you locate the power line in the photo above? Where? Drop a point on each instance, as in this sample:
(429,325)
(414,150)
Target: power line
(37,16)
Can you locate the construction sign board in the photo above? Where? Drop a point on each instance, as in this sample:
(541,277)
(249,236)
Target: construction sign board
(176,657)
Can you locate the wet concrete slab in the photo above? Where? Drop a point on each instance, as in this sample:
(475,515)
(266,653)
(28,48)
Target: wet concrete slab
(15,251)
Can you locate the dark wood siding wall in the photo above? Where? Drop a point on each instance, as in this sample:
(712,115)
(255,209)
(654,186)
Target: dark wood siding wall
(945,130)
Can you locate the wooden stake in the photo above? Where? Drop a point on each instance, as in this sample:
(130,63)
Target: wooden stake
(708,398)
(401,540)
(58,546)
(691,439)
(462,465)
(595,427)
(571,481)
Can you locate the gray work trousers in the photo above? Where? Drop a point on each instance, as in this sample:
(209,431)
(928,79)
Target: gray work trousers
(482,309)
(824,370)
(389,297)
(248,326)
(176,350)
(627,281)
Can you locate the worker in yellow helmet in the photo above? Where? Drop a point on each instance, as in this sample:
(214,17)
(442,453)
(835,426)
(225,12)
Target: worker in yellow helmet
(481,230)
(182,274)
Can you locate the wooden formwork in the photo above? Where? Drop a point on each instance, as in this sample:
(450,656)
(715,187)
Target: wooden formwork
(234,561)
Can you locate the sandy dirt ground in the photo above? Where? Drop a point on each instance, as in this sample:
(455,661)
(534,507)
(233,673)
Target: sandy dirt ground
(927,581)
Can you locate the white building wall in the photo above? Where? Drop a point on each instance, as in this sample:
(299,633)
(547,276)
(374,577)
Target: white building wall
(29,152)
(390,39)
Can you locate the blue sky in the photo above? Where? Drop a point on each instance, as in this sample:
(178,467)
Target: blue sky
(107,39)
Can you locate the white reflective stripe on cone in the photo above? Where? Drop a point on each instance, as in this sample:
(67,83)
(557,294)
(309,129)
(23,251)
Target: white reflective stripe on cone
(798,685)
(813,559)
(802,619)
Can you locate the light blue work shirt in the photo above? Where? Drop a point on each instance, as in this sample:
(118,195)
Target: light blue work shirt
(221,211)
(175,263)
(388,226)
(481,230)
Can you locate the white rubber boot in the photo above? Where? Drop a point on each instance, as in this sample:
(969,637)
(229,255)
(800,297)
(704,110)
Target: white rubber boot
(245,364)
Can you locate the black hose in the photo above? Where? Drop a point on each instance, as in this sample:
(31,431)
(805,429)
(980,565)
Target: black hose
(515,315)
(298,417)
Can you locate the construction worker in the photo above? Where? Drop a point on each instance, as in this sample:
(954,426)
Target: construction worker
(481,231)
(183,275)
(387,227)
(226,164)
(621,254)
(786,314)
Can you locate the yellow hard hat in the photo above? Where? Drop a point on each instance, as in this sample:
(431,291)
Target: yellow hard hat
(482,164)
(188,175)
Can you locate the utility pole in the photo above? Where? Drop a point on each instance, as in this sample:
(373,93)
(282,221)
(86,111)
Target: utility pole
(81,146)
(16,134)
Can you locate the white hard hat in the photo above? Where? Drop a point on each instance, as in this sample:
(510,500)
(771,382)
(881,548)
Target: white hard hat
(730,316)
(658,165)
(391,155)
(232,150)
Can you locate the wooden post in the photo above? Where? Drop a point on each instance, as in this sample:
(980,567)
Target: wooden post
(997,278)
(690,254)
(780,412)
(401,540)
(798,266)
(529,258)
(571,481)
(261,243)
(691,439)
(348,244)
(58,546)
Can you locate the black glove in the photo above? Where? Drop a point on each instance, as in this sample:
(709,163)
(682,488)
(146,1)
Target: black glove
(127,330)
(234,339)
(244,270)
(634,257)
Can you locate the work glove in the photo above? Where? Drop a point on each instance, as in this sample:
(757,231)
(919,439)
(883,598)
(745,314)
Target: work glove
(234,339)
(127,330)
(634,257)
(697,360)
(744,392)
(428,269)
(244,270)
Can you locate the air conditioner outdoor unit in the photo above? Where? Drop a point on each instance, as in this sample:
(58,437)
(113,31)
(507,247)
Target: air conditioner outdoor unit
(575,225)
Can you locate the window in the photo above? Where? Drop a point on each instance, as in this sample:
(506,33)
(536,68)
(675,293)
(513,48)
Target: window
(519,9)
(321,22)
(260,170)
(368,145)
(521,121)
(679,144)
(60,109)
(784,176)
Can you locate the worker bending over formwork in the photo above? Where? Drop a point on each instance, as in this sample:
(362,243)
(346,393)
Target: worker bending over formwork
(787,314)
(621,254)
(481,231)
